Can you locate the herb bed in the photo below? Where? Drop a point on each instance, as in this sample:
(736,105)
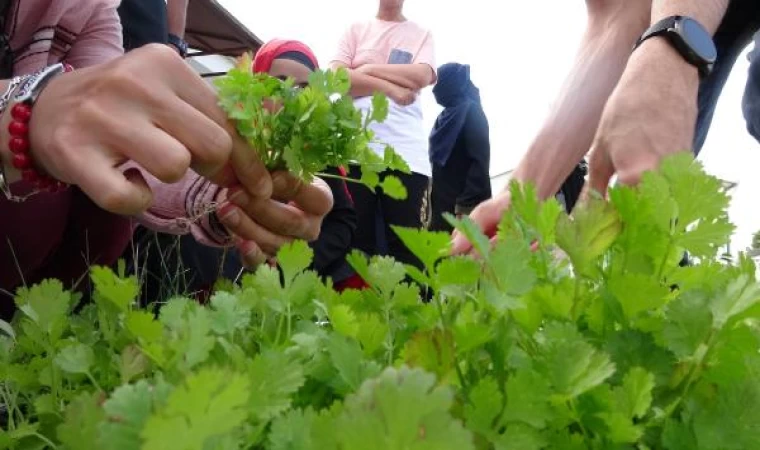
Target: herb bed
(614,347)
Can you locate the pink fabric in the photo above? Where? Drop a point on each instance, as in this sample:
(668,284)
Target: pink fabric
(372,42)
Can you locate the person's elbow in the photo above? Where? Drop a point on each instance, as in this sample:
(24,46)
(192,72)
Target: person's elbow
(424,76)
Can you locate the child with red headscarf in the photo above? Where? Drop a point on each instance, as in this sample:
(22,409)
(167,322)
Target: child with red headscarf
(292,59)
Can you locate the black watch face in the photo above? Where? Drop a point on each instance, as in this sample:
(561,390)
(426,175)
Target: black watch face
(698,39)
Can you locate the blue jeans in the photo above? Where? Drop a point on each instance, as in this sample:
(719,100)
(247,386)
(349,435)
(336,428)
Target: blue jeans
(740,24)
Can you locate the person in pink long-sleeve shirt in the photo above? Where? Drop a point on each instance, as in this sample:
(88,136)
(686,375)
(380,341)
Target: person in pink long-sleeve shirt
(136,137)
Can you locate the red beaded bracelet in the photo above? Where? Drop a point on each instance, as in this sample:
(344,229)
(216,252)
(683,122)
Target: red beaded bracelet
(21,114)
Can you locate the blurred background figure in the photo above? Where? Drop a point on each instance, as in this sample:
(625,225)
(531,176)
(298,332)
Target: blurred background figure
(460,148)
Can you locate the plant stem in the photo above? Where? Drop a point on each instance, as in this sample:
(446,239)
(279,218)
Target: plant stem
(10,407)
(444,323)
(93,381)
(338,177)
(664,261)
(577,417)
(45,440)
(576,294)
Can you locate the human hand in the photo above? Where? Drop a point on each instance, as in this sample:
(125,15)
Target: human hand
(263,225)
(403,96)
(89,122)
(487,216)
(650,115)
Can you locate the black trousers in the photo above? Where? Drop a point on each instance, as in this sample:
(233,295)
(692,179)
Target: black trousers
(458,187)
(376,213)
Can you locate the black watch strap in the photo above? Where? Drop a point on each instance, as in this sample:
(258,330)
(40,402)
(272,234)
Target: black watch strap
(658,29)
(672,28)
(178,42)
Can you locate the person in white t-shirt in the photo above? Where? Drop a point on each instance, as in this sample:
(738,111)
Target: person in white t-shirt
(393,55)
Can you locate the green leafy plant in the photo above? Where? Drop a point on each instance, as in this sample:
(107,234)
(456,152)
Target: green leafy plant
(610,345)
(308,130)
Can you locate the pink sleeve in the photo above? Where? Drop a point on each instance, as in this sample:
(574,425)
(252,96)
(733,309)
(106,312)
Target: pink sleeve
(185,207)
(426,55)
(101,38)
(346,49)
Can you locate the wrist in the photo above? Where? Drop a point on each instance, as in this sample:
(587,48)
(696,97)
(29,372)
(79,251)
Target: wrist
(657,60)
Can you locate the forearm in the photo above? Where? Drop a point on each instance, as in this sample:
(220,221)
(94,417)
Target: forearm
(707,12)
(176,13)
(568,132)
(364,85)
(410,76)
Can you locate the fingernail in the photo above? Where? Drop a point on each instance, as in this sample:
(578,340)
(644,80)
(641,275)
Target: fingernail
(227,213)
(248,248)
(238,196)
(279,183)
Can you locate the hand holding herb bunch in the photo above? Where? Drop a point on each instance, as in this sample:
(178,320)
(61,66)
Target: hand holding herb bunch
(307,130)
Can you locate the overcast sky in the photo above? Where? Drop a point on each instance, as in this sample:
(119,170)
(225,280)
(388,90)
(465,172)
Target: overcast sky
(519,58)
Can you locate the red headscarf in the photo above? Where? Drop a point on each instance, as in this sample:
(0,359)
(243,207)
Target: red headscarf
(262,62)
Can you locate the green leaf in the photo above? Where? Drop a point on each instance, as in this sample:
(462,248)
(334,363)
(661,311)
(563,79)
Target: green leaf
(294,258)
(742,294)
(528,395)
(379,107)
(485,405)
(119,292)
(637,293)
(46,304)
(541,216)
(132,363)
(343,320)
(573,365)
(707,237)
(274,378)
(228,314)
(620,429)
(472,232)
(510,262)
(293,431)
(593,228)
(432,351)
(372,333)
(555,300)
(688,323)
(636,392)
(731,420)
(428,246)
(401,409)
(210,404)
(630,349)
(80,427)
(144,326)
(520,437)
(126,412)
(678,436)
(393,187)
(458,270)
(348,361)
(385,274)
(76,358)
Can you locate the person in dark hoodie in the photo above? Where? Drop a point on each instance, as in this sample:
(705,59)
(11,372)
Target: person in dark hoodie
(460,147)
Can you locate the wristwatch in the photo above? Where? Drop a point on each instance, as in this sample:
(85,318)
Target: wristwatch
(179,43)
(689,38)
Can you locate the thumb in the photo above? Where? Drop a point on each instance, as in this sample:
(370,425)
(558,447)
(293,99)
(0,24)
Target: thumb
(601,171)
